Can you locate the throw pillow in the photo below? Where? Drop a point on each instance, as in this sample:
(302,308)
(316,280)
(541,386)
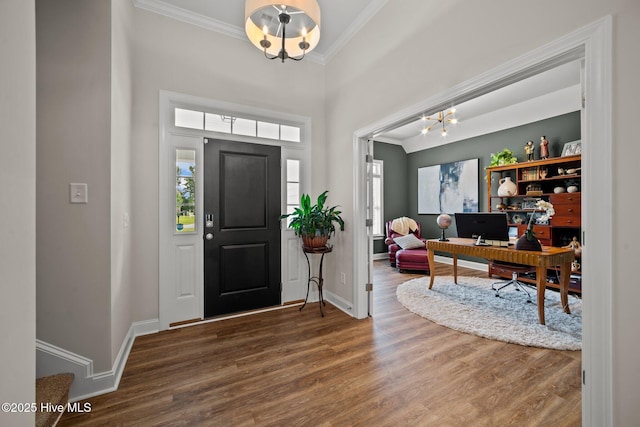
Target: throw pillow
(410,241)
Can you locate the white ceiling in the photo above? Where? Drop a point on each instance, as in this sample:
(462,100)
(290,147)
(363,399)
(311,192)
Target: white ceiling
(546,95)
(540,97)
(340,19)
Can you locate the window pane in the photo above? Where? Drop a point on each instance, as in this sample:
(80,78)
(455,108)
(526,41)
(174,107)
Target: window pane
(377,207)
(293,193)
(290,133)
(268,130)
(185,191)
(293,170)
(244,127)
(291,209)
(378,197)
(189,118)
(217,123)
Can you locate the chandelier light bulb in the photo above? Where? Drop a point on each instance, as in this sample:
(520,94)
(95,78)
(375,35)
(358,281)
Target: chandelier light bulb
(441,119)
(283,31)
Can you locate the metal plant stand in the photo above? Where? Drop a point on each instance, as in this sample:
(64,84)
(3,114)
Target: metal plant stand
(316,279)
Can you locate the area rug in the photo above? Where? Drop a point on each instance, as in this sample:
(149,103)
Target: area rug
(472,307)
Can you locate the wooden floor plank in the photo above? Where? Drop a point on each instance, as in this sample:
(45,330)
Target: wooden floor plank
(293,368)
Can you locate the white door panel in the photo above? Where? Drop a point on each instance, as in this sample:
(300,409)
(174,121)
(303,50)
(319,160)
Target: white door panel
(181,270)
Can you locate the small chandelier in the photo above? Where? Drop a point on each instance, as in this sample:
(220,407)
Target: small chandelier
(283,30)
(441,119)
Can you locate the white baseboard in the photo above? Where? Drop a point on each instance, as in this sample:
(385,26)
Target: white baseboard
(462,263)
(381,255)
(339,302)
(52,360)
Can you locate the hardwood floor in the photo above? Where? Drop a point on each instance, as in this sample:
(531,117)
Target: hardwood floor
(292,368)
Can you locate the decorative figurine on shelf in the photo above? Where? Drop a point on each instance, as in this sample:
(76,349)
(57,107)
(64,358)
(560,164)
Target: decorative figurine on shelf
(528,150)
(544,147)
(575,245)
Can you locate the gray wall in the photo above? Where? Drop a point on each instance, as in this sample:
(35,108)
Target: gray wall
(18,206)
(558,130)
(73,44)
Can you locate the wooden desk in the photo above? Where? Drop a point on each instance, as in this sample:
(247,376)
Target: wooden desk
(548,257)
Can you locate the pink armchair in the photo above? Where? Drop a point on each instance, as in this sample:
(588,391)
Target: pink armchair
(394,247)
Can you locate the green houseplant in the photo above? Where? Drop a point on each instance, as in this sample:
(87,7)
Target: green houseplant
(314,223)
(504,157)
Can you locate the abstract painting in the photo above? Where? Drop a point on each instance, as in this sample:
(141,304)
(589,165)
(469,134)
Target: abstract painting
(448,188)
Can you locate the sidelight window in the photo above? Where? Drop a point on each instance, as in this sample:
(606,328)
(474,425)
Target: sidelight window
(185,191)
(293,184)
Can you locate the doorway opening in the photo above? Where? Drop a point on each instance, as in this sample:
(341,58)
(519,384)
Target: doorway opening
(593,45)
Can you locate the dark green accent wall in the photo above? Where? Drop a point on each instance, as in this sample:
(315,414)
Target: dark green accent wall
(401,192)
(558,130)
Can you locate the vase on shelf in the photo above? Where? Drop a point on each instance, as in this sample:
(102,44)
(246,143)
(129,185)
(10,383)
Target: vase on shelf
(507,187)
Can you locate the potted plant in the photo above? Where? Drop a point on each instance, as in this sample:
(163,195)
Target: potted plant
(314,223)
(505,157)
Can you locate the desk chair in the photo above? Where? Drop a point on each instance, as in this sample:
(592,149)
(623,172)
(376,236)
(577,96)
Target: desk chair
(502,268)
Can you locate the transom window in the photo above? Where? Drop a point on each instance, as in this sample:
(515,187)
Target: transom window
(235,125)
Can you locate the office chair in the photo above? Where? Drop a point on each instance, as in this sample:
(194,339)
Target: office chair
(500,268)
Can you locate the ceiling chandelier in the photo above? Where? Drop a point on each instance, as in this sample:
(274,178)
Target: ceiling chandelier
(284,31)
(440,119)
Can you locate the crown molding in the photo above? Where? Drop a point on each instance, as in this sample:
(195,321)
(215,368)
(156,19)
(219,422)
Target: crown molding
(170,11)
(361,20)
(184,15)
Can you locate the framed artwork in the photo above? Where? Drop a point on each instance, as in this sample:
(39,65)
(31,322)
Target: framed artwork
(448,188)
(572,149)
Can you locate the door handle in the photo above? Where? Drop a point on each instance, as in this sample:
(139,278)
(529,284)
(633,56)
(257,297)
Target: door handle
(208,236)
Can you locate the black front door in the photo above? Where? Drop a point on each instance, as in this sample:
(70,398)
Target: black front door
(242,226)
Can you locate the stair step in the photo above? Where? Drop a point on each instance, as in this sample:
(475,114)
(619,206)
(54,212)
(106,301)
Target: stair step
(51,392)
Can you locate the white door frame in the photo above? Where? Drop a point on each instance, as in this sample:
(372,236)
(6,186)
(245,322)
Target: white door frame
(593,43)
(170,138)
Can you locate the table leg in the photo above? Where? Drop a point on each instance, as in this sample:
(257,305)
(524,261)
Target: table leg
(541,285)
(565,274)
(432,268)
(455,268)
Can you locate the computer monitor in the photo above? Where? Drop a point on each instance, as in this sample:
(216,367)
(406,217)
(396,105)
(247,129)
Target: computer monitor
(487,225)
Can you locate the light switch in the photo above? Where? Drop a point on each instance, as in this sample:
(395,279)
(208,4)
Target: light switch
(78,193)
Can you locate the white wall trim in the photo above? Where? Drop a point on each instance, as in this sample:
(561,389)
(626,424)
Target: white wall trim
(338,301)
(365,15)
(51,360)
(593,43)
